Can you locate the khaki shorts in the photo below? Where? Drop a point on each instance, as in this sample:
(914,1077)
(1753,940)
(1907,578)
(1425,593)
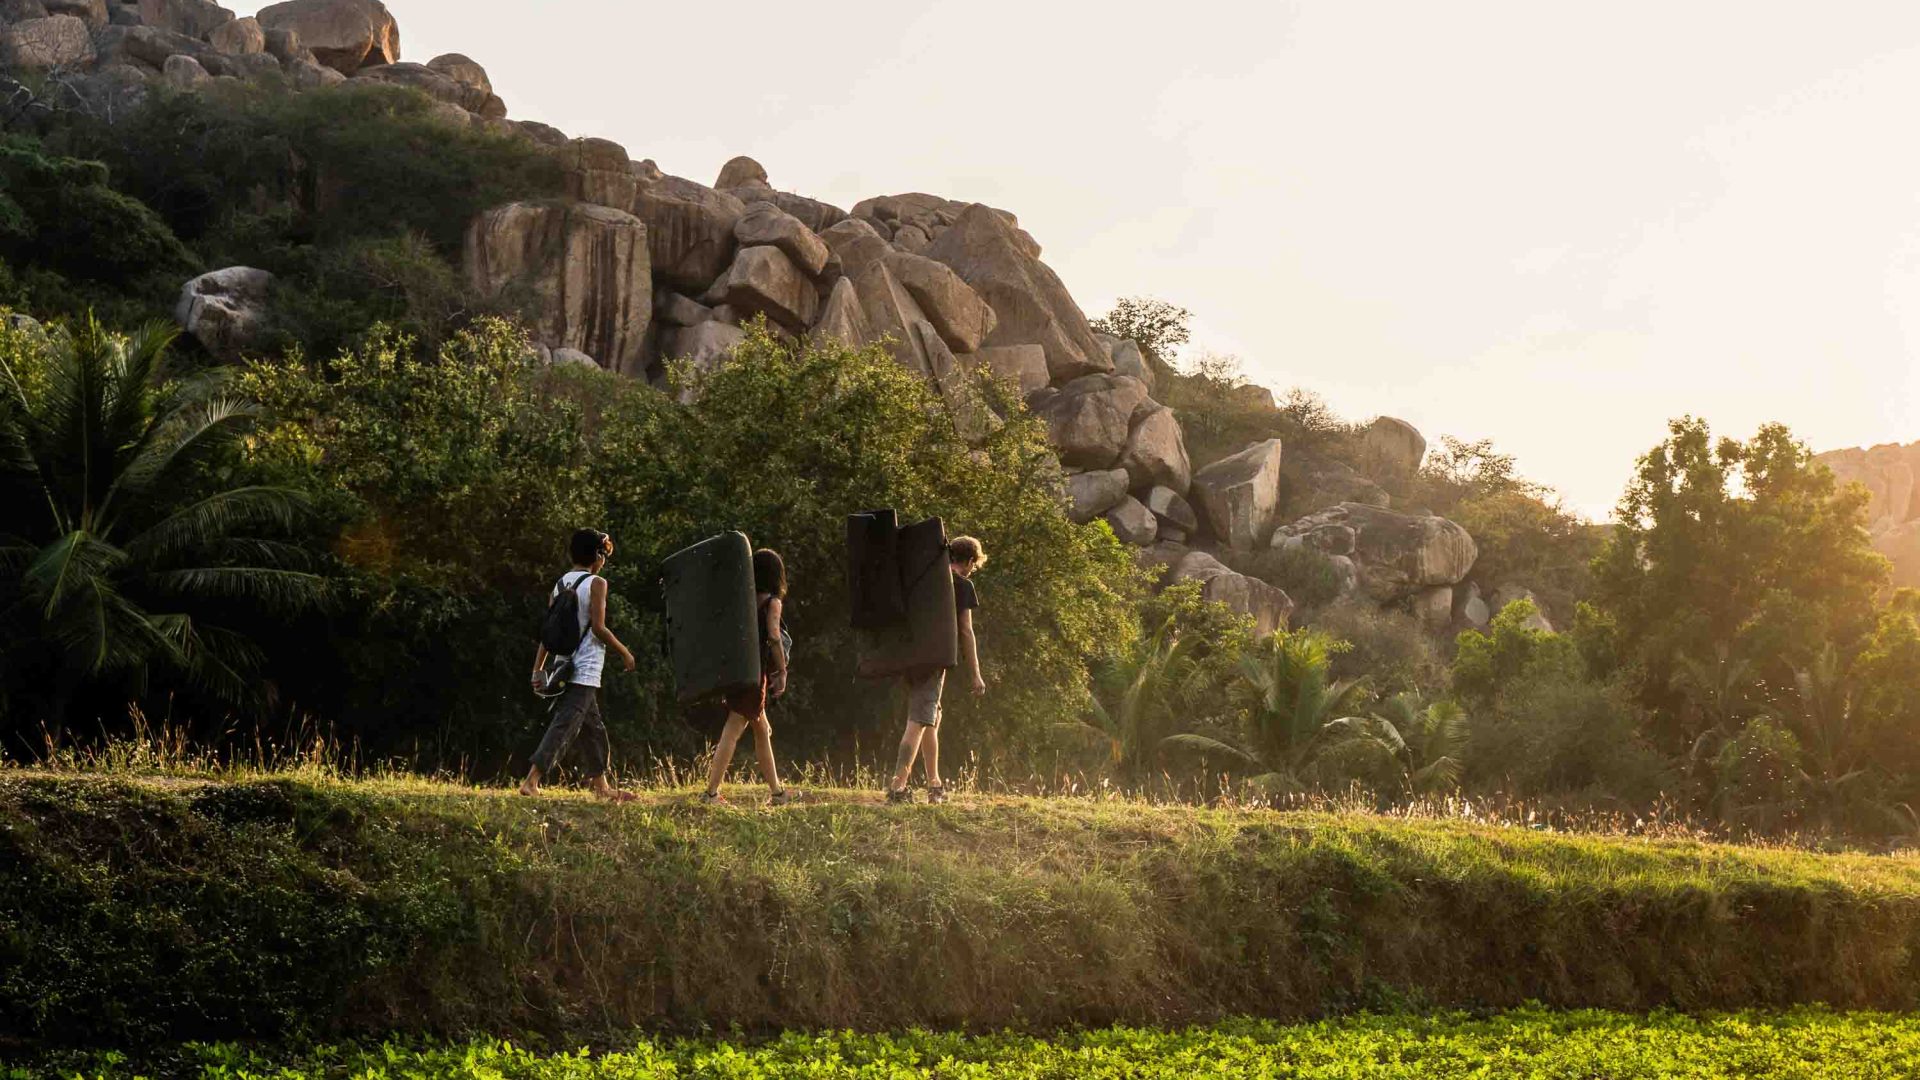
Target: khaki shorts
(923,699)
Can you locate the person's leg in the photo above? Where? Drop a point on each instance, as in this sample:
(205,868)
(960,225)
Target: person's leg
(723,751)
(923,700)
(568,716)
(909,750)
(593,740)
(930,755)
(763,751)
(930,742)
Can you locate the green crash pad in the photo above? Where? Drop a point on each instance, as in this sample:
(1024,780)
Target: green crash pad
(928,639)
(873,570)
(711,635)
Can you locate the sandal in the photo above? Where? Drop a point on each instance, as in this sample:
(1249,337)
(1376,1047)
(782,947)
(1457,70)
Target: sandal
(712,798)
(784,797)
(936,793)
(903,795)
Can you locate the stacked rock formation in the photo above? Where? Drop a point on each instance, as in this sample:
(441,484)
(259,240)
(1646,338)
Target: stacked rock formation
(636,267)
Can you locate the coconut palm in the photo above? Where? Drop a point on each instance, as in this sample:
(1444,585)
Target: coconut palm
(121,553)
(1721,696)
(1427,744)
(1290,697)
(1135,699)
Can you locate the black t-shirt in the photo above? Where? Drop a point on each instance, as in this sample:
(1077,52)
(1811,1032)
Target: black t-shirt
(964,598)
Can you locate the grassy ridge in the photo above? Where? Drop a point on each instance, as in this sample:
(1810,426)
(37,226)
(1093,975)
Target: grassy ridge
(1804,1044)
(136,911)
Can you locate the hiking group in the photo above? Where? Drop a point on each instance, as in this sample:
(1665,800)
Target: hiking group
(717,657)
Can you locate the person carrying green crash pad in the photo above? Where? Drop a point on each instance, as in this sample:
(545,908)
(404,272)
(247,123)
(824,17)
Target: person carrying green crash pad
(747,704)
(922,739)
(574,636)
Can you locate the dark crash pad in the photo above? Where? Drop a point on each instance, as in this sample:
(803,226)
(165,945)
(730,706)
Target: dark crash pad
(711,635)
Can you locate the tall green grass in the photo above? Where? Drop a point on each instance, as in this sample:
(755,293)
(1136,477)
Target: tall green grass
(143,910)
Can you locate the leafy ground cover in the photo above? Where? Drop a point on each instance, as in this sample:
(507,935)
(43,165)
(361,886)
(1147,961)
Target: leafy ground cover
(1536,1043)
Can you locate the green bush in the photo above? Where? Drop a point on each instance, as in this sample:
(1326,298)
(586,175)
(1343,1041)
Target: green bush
(456,478)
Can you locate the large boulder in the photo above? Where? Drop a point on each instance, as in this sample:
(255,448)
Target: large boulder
(148,45)
(345,35)
(46,44)
(856,245)
(594,170)
(1170,508)
(583,268)
(706,347)
(1311,483)
(742,171)
(194,18)
(1156,451)
(950,304)
(445,88)
(1030,305)
(841,317)
(183,72)
(1391,452)
(763,280)
(766,225)
(1269,607)
(1432,607)
(92,12)
(689,229)
(1090,419)
(462,69)
(1091,494)
(813,213)
(972,420)
(891,313)
(1127,358)
(1133,523)
(1511,593)
(225,310)
(1241,494)
(1023,365)
(1396,554)
(239,37)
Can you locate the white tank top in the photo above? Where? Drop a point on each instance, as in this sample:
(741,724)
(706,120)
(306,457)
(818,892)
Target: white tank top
(591,658)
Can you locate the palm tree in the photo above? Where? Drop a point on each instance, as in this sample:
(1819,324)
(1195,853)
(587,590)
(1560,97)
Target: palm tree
(1721,695)
(1137,696)
(1429,744)
(122,553)
(1833,737)
(1290,697)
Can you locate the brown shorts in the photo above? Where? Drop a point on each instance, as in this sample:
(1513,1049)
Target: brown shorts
(749,702)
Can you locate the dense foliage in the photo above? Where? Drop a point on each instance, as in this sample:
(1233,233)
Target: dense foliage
(129,551)
(454,478)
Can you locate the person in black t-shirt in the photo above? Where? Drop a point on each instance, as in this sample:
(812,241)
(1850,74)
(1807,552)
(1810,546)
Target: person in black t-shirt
(922,739)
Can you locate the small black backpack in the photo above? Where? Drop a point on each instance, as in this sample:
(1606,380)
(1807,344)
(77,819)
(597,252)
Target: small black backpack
(560,630)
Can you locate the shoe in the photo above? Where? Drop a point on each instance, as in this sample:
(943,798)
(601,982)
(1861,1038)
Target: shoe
(936,793)
(785,797)
(904,795)
(712,798)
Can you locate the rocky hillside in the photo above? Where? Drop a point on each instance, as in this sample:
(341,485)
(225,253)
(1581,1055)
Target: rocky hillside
(1891,474)
(636,267)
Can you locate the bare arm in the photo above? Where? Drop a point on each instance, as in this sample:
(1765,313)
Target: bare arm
(970,651)
(775,609)
(597,617)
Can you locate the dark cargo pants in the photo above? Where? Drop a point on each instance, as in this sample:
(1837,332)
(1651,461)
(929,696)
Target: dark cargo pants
(577,716)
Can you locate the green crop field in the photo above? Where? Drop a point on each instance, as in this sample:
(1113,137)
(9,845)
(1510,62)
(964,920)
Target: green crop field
(1532,1043)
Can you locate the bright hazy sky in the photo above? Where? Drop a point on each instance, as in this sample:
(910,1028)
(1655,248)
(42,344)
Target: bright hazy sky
(1556,224)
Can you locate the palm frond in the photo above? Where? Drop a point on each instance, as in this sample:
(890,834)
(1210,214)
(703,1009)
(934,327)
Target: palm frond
(1201,744)
(277,590)
(174,443)
(213,518)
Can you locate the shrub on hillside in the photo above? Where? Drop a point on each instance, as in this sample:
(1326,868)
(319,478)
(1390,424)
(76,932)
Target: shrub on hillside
(457,476)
